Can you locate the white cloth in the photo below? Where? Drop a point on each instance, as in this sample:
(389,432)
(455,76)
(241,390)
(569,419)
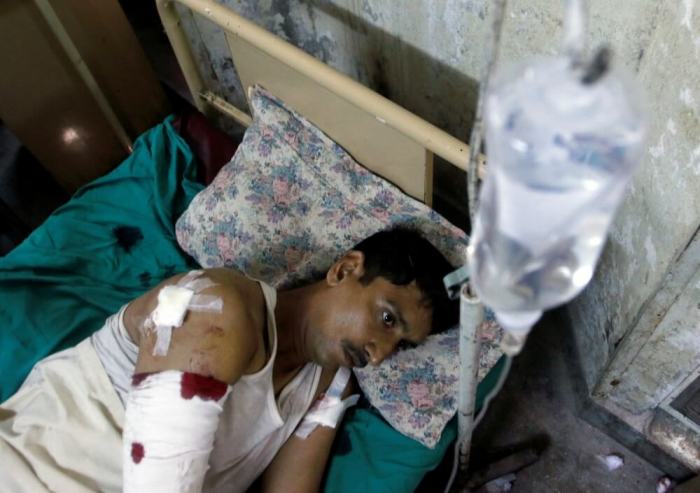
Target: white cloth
(254,425)
(117,352)
(62,430)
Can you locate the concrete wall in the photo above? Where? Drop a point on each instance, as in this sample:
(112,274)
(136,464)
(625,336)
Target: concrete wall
(426,56)
(662,210)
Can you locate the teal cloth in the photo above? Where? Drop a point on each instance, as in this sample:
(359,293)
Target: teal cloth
(58,286)
(370,456)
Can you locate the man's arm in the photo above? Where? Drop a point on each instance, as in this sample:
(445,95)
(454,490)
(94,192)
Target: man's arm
(300,464)
(174,405)
(223,345)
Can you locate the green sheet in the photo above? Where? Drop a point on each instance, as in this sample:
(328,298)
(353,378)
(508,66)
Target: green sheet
(370,456)
(60,284)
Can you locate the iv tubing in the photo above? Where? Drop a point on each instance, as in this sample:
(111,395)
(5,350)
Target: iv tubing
(574,29)
(475,138)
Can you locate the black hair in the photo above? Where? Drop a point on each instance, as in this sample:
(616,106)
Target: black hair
(402,255)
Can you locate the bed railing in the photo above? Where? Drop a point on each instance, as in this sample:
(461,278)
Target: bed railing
(246,39)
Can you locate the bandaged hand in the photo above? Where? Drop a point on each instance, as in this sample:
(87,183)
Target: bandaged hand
(329,410)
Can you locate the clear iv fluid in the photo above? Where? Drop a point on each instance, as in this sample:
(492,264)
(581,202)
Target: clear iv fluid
(560,154)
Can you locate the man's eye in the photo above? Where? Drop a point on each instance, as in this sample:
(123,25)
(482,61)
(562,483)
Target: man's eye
(388,319)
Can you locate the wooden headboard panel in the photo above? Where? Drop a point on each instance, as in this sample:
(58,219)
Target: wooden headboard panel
(378,133)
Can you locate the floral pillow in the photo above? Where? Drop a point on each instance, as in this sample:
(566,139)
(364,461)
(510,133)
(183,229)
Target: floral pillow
(291,201)
(416,391)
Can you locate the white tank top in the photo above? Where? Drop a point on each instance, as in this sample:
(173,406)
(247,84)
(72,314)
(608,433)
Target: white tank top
(253,425)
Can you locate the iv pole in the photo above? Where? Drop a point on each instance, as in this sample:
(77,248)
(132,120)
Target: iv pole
(471,309)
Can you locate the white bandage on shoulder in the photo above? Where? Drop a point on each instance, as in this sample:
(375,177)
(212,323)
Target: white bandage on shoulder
(328,411)
(172,306)
(173,303)
(169,427)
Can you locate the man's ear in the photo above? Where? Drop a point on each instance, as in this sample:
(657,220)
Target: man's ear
(352,264)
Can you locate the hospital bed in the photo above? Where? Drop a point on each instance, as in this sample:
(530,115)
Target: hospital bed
(116,237)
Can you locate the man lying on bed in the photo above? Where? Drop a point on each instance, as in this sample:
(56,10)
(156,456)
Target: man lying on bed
(246,383)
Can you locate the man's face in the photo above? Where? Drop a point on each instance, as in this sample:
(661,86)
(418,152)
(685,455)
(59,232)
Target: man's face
(359,325)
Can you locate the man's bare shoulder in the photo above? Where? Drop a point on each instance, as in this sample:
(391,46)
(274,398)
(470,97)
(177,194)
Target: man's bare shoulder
(224,341)
(236,290)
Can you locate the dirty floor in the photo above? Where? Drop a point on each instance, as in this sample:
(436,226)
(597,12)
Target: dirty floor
(538,405)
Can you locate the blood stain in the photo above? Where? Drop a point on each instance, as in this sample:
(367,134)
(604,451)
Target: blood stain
(137,452)
(206,388)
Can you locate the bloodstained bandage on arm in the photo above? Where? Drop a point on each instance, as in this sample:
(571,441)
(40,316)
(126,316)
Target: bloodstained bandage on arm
(169,428)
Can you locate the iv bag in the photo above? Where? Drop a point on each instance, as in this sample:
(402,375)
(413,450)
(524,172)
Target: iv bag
(561,149)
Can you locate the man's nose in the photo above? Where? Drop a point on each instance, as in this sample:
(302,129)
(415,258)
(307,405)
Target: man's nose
(379,350)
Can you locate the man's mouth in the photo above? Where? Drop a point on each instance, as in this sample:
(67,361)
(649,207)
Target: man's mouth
(357,358)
